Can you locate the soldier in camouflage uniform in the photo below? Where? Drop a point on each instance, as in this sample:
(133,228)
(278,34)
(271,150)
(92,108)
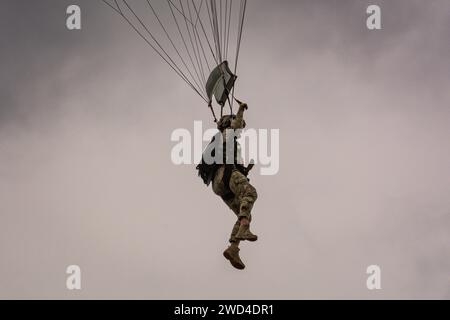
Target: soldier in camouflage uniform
(231,184)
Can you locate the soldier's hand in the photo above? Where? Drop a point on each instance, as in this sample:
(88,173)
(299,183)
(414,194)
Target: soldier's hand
(243,106)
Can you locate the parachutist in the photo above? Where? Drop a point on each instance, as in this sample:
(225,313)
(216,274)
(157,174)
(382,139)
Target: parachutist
(230,182)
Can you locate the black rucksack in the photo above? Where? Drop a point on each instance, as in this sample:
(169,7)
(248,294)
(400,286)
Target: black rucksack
(205,170)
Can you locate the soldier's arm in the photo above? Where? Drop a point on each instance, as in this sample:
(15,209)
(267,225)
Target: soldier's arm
(238,121)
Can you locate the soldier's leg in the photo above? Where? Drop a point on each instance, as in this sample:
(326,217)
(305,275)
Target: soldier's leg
(246,195)
(232,252)
(234,231)
(234,205)
(244,192)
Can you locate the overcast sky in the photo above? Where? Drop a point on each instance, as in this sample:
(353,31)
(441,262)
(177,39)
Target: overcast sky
(86,176)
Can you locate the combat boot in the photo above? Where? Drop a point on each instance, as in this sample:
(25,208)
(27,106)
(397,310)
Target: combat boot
(244,233)
(232,254)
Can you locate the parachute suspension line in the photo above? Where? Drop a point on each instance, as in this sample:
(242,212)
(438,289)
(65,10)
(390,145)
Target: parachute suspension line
(224,29)
(207,39)
(173,66)
(228,32)
(220,24)
(215,29)
(203,29)
(239,38)
(198,35)
(199,9)
(198,20)
(179,11)
(203,50)
(217,25)
(228,99)
(197,40)
(182,36)
(156,41)
(212,29)
(224,25)
(224,36)
(240,29)
(229,103)
(197,46)
(190,38)
(212,111)
(195,27)
(201,85)
(228,95)
(193,70)
(117,5)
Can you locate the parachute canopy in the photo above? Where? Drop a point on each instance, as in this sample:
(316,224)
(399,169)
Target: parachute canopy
(194,37)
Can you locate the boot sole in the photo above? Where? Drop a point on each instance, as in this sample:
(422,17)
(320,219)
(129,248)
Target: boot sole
(233,263)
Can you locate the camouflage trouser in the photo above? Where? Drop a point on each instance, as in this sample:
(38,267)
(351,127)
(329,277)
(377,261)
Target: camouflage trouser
(244,196)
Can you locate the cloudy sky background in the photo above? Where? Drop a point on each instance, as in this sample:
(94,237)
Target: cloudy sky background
(86,176)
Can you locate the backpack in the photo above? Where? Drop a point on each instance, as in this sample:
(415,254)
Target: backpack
(207,171)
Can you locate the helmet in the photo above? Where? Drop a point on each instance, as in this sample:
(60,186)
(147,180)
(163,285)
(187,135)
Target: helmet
(225,122)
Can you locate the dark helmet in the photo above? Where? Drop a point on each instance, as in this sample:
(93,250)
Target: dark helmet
(225,122)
